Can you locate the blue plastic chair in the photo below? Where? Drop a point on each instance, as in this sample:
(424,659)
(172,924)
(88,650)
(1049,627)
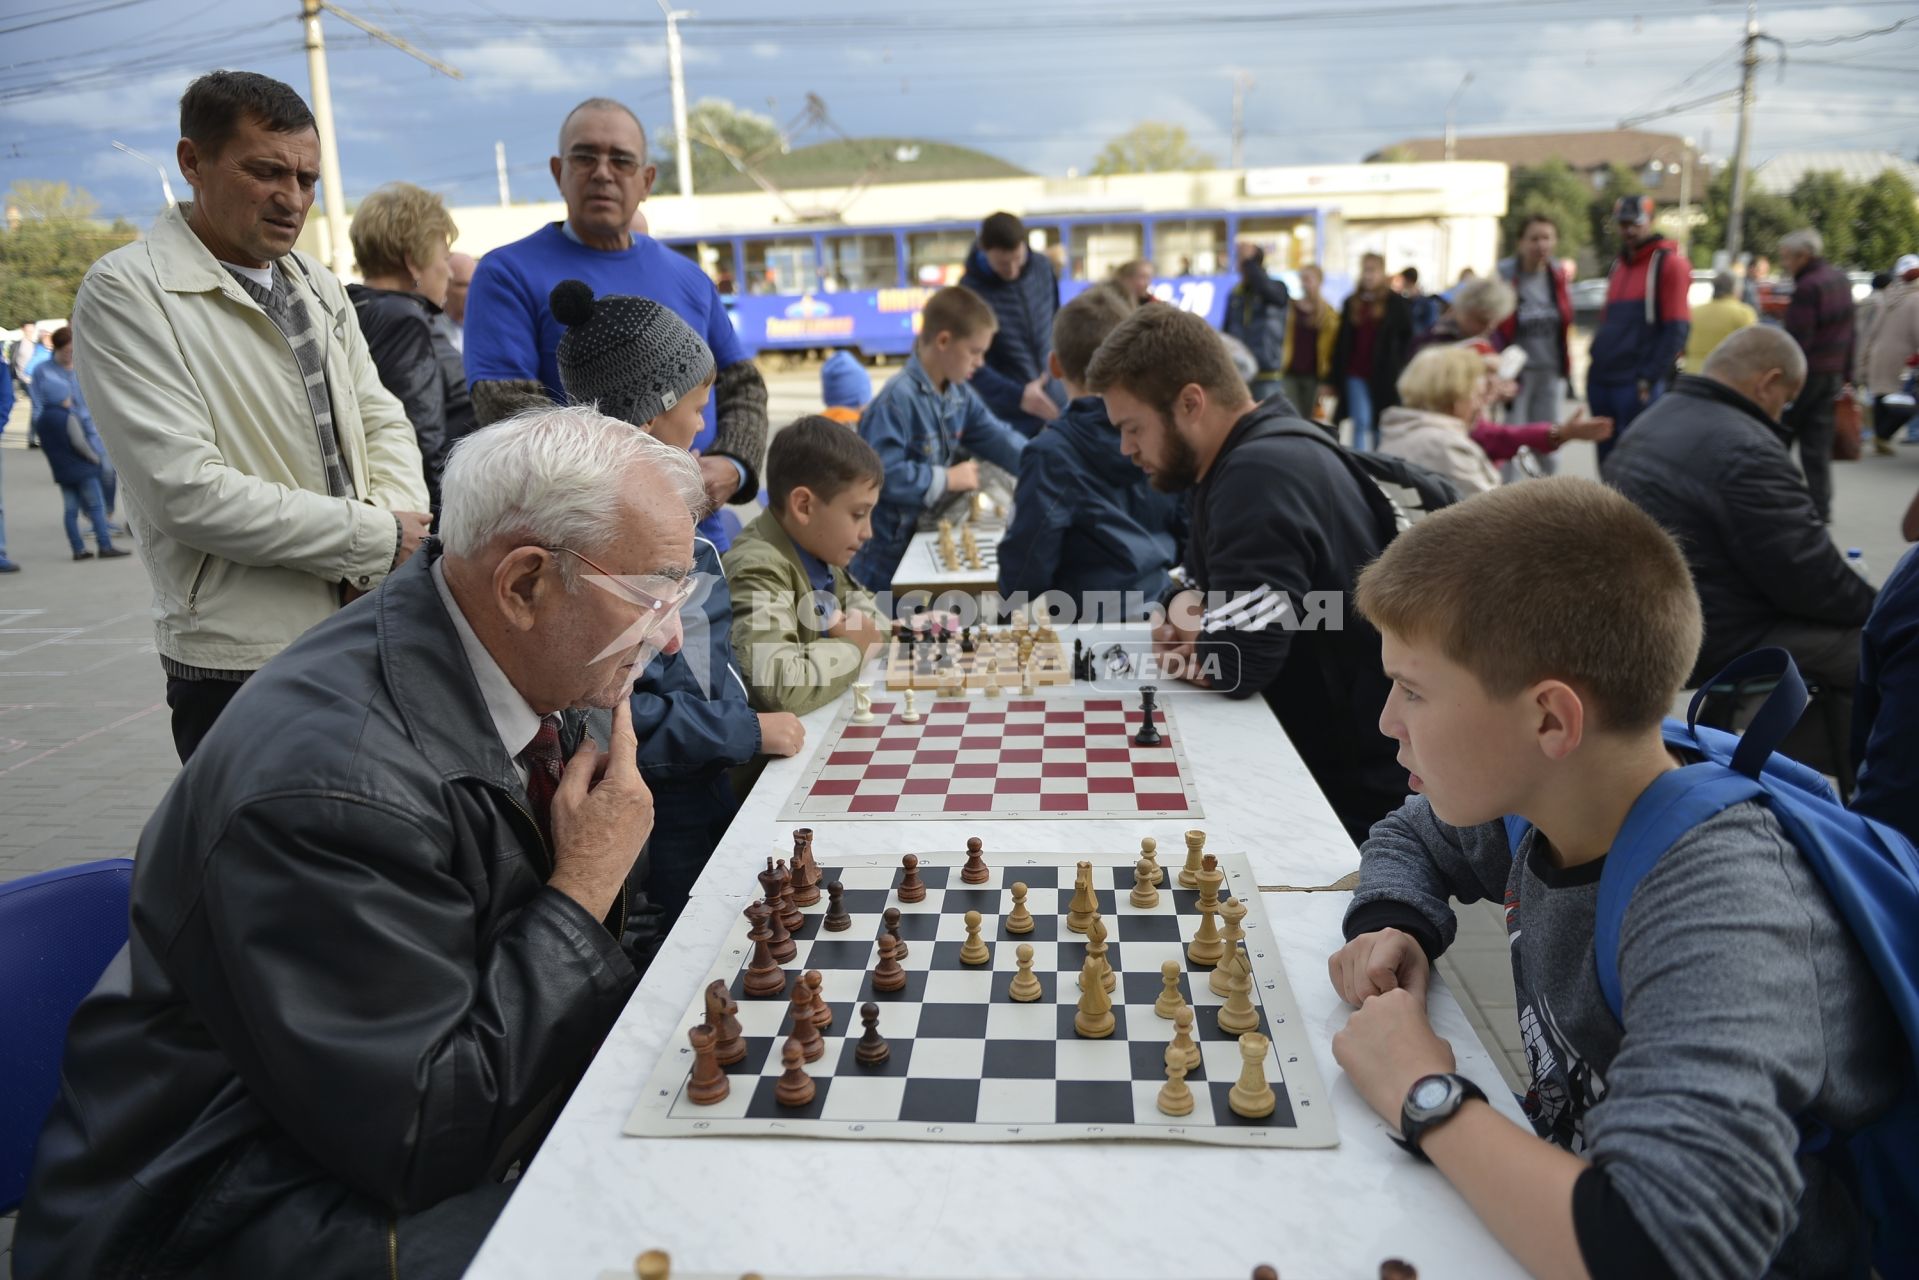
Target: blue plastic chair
(58,931)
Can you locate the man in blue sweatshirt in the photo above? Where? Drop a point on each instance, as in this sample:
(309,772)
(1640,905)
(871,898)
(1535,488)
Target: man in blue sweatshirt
(1020,286)
(1088,523)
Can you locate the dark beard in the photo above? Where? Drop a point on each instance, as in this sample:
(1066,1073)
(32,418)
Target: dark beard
(1181,471)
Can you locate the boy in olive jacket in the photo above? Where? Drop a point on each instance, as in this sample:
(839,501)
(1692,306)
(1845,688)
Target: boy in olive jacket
(802,628)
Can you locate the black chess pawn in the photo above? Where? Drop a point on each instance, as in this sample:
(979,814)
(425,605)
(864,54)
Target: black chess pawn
(966,640)
(1148,735)
(872,1048)
(838,919)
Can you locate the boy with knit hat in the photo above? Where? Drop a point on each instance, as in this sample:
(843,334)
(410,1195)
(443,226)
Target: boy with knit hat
(643,364)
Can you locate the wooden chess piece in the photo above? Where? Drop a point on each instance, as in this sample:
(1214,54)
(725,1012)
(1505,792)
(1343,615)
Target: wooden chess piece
(1238,1015)
(1232,911)
(1176,1096)
(891,917)
(974,950)
(1195,846)
(1096,953)
(1252,1097)
(729,1045)
(806,872)
(654,1264)
(708,1083)
(1264,1272)
(822,1012)
(1210,878)
(764,977)
(1085,904)
(838,919)
(912,888)
(1149,850)
(1026,686)
(1025,987)
(1170,1000)
(1019,920)
(1144,895)
(993,687)
(975,871)
(795,1088)
(1206,946)
(769,883)
(1148,735)
(790,914)
(781,946)
(1094,1020)
(872,1048)
(1183,1036)
(804,1030)
(887,975)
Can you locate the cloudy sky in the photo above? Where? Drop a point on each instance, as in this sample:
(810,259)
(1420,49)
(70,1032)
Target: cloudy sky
(1040,84)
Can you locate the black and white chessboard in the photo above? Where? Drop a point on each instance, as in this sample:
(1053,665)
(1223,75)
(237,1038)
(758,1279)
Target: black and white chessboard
(969,1064)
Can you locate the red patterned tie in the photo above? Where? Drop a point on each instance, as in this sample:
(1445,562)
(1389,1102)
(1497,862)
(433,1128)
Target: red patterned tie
(544,765)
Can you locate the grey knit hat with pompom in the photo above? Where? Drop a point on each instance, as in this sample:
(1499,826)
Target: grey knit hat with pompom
(632,355)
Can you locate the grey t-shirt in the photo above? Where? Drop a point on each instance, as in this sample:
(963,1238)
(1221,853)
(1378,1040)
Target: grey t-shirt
(1538,323)
(1747,1005)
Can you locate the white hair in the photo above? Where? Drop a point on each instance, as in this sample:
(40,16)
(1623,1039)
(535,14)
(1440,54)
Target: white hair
(555,477)
(1805,240)
(1486,298)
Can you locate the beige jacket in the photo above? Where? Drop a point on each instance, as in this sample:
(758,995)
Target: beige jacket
(1439,442)
(1890,339)
(204,414)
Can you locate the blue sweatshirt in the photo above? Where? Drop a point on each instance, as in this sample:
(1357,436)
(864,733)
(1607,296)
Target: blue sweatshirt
(1885,709)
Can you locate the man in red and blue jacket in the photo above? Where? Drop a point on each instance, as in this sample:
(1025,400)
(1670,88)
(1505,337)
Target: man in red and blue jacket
(1647,319)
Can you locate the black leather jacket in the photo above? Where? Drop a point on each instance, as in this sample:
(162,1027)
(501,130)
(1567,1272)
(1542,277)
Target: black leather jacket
(1713,470)
(344,963)
(418,364)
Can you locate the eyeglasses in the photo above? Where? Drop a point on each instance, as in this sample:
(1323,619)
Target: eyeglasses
(624,163)
(654,610)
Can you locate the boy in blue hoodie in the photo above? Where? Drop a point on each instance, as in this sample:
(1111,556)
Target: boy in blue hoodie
(643,364)
(920,422)
(1088,523)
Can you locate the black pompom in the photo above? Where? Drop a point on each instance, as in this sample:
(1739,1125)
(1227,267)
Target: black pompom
(572,302)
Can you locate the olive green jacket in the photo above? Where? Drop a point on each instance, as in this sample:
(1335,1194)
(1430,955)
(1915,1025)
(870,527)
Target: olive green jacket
(790,663)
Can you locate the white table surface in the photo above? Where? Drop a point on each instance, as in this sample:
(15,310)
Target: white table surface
(1257,797)
(593,1198)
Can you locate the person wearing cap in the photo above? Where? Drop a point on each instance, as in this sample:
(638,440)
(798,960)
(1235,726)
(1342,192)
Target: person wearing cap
(1643,330)
(512,338)
(1888,352)
(1819,318)
(641,363)
(845,387)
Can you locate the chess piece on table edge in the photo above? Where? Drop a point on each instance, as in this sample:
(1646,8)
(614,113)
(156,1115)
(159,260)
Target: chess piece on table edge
(838,919)
(1170,1000)
(654,1264)
(708,1083)
(805,1030)
(872,1048)
(912,888)
(1094,1019)
(1265,1272)
(1019,920)
(1250,1095)
(887,975)
(975,871)
(796,1088)
(974,950)
(891,919)
(1025,986)
(1195,847)
(1175,1096)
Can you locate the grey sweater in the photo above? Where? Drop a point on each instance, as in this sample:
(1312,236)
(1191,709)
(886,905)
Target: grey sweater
(1747,1006)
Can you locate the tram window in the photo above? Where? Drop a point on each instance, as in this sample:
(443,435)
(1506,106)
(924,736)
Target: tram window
(860,262)
(780,266)
(1099,247)
(1194,247)
(1287,241)
(935,258)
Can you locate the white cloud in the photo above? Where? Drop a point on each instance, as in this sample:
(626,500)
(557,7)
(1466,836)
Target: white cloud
(764,49)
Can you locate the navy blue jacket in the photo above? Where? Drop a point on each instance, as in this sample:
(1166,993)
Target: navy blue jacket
(1885,708)
(1256,315)
(1026,308)
(1086,519)
(917,431)
(1641,339)
(689,708)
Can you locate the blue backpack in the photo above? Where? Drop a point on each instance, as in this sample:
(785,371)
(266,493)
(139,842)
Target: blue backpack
(1870,871)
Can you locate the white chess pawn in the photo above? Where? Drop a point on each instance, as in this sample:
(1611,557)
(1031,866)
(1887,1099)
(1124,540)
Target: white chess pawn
(910,713)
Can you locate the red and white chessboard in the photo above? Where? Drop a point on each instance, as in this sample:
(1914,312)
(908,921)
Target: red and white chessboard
(1058,757)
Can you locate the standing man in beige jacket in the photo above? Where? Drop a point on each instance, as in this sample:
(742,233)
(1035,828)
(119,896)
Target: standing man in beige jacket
(269,477)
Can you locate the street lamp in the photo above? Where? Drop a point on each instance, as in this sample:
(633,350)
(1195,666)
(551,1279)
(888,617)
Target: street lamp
(1452,104)
(166,186)
(1685,181)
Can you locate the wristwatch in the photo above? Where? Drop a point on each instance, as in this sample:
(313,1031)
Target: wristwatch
(1431,1102)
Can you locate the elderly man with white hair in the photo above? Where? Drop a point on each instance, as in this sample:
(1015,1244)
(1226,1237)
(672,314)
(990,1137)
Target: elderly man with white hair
(375,921)
(1819,318)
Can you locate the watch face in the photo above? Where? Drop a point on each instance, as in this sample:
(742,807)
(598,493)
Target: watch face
(1430,1093)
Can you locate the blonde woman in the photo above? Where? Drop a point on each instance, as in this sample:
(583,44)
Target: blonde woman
(402,237)
(1441,394)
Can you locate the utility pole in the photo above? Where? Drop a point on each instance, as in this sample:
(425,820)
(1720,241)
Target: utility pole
(499,164)
(339,251)
(1242,85)
(1452,106)
(1749,64)
(683,145)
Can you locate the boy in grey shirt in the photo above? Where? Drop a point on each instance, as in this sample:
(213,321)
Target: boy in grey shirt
(1536,686)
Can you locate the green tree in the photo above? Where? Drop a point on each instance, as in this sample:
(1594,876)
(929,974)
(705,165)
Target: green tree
(1398,153)
(1767,218)
(43,260)
(1885,222)
(1150,147)
(1830,205)
(717,128)
(1555,191)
